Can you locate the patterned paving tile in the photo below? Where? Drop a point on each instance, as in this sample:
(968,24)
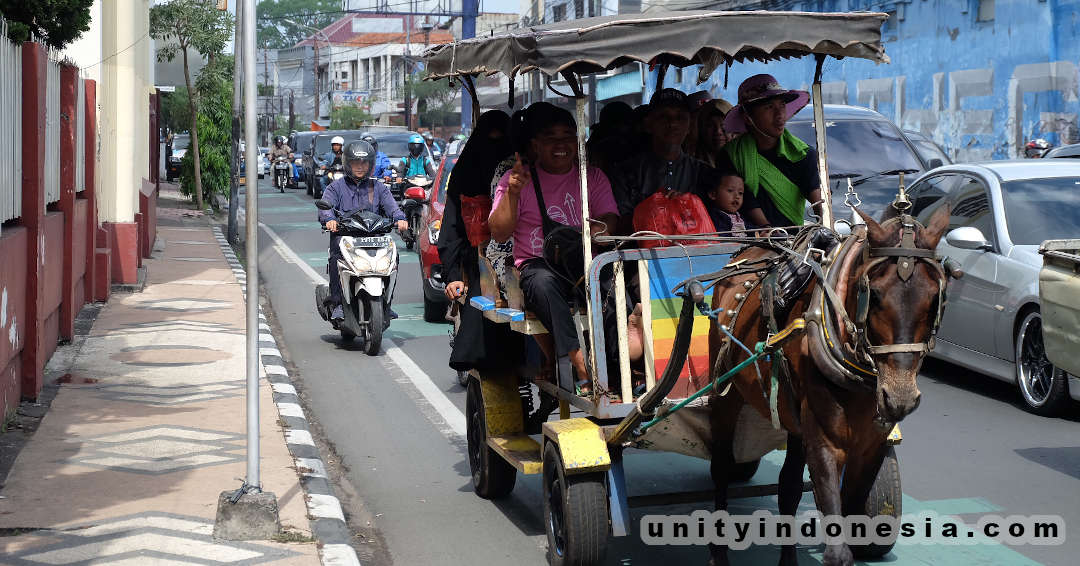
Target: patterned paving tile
(144,539)
(164,395)
(157,326)
(184,304)
(159,450)
(167,355)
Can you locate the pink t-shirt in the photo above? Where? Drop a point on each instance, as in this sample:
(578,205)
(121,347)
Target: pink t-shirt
(562,195)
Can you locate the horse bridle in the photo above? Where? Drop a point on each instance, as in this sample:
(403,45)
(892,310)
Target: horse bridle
(907,256)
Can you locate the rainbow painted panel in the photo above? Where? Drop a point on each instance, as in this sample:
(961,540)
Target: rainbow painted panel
(665,274)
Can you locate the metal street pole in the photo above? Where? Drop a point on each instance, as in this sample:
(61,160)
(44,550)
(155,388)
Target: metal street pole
(234,167)
(251,226)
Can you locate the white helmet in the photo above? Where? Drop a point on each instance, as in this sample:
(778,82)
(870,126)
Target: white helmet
(338,140)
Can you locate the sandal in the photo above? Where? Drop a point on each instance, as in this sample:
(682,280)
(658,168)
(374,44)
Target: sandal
(584,388)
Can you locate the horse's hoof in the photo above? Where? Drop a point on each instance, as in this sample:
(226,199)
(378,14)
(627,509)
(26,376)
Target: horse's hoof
(839,555)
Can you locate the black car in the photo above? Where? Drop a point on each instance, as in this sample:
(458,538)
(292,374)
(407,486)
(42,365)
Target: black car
(861,142)
(180,143)
(931,152)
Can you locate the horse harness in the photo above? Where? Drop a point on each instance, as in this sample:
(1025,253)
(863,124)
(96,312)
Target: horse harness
(782,278)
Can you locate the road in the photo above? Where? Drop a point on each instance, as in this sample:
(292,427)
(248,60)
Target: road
(395,424)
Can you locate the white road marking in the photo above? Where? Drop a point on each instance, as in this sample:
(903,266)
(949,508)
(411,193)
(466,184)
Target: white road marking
(325,506)
(449,412)
(339,555)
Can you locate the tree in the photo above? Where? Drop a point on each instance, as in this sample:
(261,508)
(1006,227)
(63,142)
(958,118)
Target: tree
(55,22)
(214,88)
(349,117)
(434,99)
(276,33)
(198,25)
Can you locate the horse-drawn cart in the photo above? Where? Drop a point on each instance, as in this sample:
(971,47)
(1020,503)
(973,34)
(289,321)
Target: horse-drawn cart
(581,459)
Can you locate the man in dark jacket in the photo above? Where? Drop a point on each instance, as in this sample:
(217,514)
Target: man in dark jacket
(355,191)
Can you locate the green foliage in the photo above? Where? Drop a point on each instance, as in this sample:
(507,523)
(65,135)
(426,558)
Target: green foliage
(434,99)
(276,33)
(176,110)
(195,24)
(350,117)
(55,22)
(214,87)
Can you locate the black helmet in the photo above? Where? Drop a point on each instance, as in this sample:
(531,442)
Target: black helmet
(279,140)
(371,140)
(1036,148)
(358,151)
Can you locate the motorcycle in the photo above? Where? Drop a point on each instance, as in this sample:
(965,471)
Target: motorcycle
(414,197)
(368,272)
(327,174)
(281,172)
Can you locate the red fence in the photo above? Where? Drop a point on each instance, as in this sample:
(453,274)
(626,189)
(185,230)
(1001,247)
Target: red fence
(54,254)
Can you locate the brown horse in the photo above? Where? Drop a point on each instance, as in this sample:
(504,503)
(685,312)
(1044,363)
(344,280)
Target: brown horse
(837,417)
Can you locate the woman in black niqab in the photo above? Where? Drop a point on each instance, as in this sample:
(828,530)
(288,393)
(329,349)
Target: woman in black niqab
(479,343)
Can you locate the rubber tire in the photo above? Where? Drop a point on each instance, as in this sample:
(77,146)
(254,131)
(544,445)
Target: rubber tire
(742,472)
(373,340)
(885,498)
(582,513)
(1057,400)
(492,477)
(434,311)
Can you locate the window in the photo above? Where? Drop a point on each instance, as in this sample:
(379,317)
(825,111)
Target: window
(558,13)
(579,8)
(344,74)
(985,12)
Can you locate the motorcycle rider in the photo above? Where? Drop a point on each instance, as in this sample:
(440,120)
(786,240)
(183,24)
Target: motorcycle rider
(332,158)
(382,161)
(355,191)
(416,163)
(1036,148)
(281,149)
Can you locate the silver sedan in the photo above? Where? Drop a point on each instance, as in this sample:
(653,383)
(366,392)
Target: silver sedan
(1001,212)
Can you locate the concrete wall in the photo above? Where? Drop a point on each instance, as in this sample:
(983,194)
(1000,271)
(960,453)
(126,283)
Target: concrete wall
(980,88)
(13,246)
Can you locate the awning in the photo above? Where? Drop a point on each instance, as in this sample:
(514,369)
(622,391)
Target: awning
(707,38)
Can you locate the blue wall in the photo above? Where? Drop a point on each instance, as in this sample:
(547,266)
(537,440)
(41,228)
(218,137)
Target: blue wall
(980,89)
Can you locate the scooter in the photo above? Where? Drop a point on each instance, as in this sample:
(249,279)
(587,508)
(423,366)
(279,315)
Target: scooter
(281,172)
(413,200)
(327,174)
(368,272)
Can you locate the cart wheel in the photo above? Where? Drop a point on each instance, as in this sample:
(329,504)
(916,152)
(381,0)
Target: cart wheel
(884,499)
(575,513)
(492,476)
(742,472)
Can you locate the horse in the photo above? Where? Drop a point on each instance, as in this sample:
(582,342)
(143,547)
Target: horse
(838,398)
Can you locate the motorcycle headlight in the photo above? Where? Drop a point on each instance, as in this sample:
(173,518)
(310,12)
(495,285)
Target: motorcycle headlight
(383,264)
(433,232)
(361,259)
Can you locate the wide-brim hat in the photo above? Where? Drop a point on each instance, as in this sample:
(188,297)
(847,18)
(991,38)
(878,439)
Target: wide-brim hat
(759,88)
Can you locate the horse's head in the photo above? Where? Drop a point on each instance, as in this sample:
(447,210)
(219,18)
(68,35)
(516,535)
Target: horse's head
(902,288)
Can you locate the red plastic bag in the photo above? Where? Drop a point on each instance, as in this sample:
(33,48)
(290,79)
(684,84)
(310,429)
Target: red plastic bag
(474,212)
(672,213)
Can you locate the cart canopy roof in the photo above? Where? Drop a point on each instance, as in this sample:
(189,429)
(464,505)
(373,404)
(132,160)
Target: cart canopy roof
(707,38)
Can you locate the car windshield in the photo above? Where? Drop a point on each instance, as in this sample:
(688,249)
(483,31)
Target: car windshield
(396,146)
(1042,209)
(860,147)
(322,143)
(180,142)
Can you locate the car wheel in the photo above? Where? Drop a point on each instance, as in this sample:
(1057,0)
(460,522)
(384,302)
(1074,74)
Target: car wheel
(1043,387)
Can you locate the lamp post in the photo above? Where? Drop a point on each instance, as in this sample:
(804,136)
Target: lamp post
(328,64)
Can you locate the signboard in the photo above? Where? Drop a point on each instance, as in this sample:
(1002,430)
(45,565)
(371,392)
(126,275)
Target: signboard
(361,97)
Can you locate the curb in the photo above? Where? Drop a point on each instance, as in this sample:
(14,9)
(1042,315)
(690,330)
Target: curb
(326,515)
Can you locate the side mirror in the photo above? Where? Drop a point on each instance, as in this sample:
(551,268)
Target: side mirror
(935,163)
(322,205)
(967,238)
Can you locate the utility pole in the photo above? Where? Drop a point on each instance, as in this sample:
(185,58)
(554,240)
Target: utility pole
(292,115)
(234,165)
(315,41)
(534,77)
(407,67)
(471,9)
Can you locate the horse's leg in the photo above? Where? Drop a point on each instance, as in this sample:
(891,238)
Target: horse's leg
(724,414)
(825,460)
(791,490)
(859,474)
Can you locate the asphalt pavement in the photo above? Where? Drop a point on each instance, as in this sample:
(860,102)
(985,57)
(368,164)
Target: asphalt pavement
(396,427)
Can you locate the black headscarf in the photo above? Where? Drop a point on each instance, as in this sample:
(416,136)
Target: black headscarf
(476,164)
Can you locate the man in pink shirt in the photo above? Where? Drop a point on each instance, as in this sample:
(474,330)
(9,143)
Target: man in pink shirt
(515,213)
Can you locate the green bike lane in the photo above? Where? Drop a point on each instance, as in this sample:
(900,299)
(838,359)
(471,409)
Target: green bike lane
(969,451)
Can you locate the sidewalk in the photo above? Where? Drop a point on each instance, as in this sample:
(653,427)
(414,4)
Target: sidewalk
(148,428)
